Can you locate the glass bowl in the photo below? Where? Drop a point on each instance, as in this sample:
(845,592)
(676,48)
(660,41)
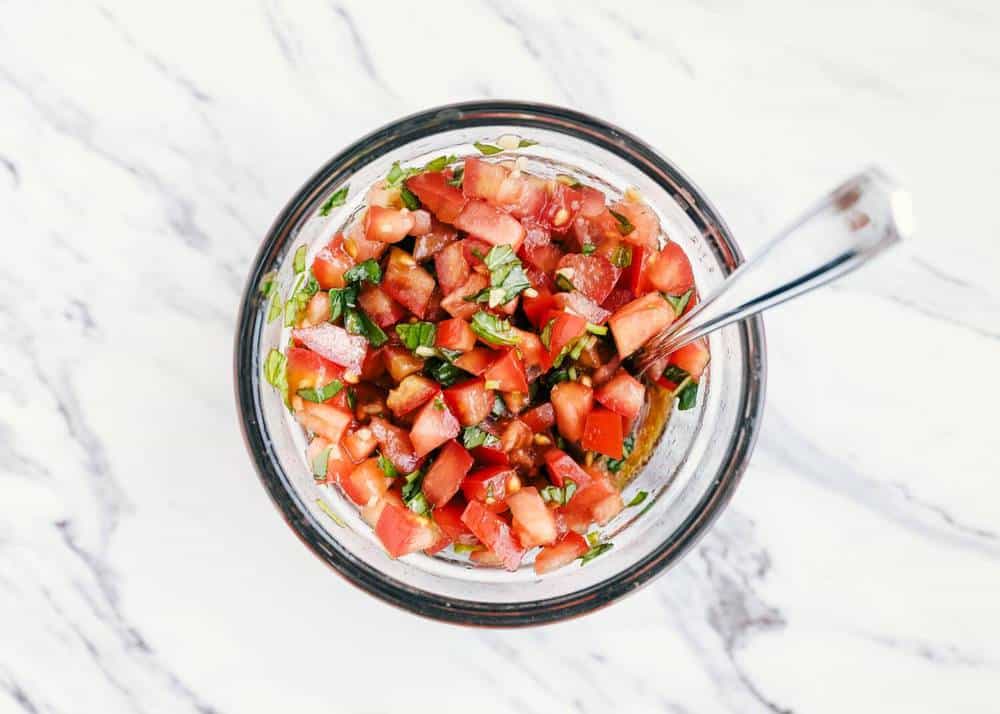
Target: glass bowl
(691,473)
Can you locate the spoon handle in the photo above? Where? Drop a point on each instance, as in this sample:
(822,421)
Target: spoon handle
(846,228)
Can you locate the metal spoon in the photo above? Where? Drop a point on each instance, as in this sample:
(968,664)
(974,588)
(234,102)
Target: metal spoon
(845,229)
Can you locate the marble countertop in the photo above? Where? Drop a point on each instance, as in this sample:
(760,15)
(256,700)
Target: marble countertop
(145,149)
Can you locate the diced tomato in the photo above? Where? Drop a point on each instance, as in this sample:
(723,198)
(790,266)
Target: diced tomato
(438,196)
(335,344)
(366,483)
(535,234)
(455,303)
(482,179)
(572,546)
(325,420)
(692,358)
(602,432)
(561,466)
(402,531)
(381,194)
(422,222)
(304,368)
(430,244)
(540,418)
(470,401)
(379,306)
(532,351)
(532,521)
(445,475)
(491,224)
(524,196)
(535,308)
(387,224)
(622,394)
(544,257)
(646,224)
(507,373)
(670,270)
(360,248)
(579,304)
(635,323)
(591,202)
(572,402)
(492,455)
(360,443)
(494,532)
(516,435)
(635,275)
(317,310)
(400,362)
(475,251)
(592,275)
(413,391)
(455,334)
(599,501)
(561,207)
(329,266)
(476,360)
(565,329)
(372,512)
(490,486)
(451,267)
(449,519)
(434,425)
(408,283)
(619,298)
(338,465)
(394,443)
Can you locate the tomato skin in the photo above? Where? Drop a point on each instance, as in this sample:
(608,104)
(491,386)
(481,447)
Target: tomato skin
(602,432)
(532,521)
(387,225)
(381,308)
(360,248)
(524,196)
(543,257)
(532,351)
(445,475)
(338,463)
(411,393)
(437,239)
(490,485)
(400,362)
(579,304)
(508,372)
(455,334)
(634,276)
(329,266)
(403,532)
(455,303)
(335,344)
(491,224)
(304,368)
(366,483)
(476,360)
(635,323)
(561,466)
(591,202)
(540,418)
(491,455)
(394,443)
(482,179)
(438,196)
(359,444)
(449,519)
(692,358)
(645,221)
(451,267)
(434,425)
(599,501)
(572,402)
(565,328)
(470,401)
(407,283)
(592,275)
(325,420)
(670,271)
(536,308)
(622,394)
(561,207)
(495,533)
(569,548)
(619,298)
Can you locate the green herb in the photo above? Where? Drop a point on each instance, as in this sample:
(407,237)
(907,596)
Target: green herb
(637,499)
(396,174)
(555,376)
(409,200)
(352,398)
(473,436)
(269,283)
(419,505)
(417,334)
(440,163)
(457,175)
(366,270)
(321,394)
(305,287)
(357,322)
(319,463)
(615,465)
(341,301)
(499,410)
(493,330)
(339,198)
(597,329)
(291,312)
(595,551)
(679,302)
(593,538)
(588,248)
(413,497)
(624,225)
(572,374)
(328,511)
(557,495)
(564,283)
(487,149)
(466,548)
(546,336)
(275,309)
(622,256)
(299,261)
(274,370)
(439,403)
(387,466)
(524,143)
(507,277)
(579,345)
(674,374)
(687,396)
(443,372)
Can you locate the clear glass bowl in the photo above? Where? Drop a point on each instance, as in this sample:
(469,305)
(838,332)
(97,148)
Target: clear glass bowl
(689,476)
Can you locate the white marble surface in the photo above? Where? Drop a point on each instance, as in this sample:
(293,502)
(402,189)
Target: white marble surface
(145,148)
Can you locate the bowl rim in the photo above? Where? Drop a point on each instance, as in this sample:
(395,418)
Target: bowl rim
(247,373)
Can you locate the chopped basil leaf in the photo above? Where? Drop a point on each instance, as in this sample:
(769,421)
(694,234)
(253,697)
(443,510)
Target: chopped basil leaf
(572,374)
(275,309)
(615,465)
(357,322)
(487,149)
(439,163)
(595,551)
(269,283)
(637,499)
(411,492)
(339,198)
(366,270)
(274,370)
(687,397)
(466,548)
(342,300)
(622,256)
(387,466)
(319,463)
(473,436)
(352,398)
(439,403)
(555,376)
(557,495)
(443,372)
(524,143)
(395,175)
(493,330)
(305,287)
(419,505)
(674,374)
(507,277)
(417,334)
(679,302)
(457,175)
(546,336)
(409,200)
(624,225)
(333,516)
(588,248)
(597,329)
(563,282)
(291,312)
(321,394)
